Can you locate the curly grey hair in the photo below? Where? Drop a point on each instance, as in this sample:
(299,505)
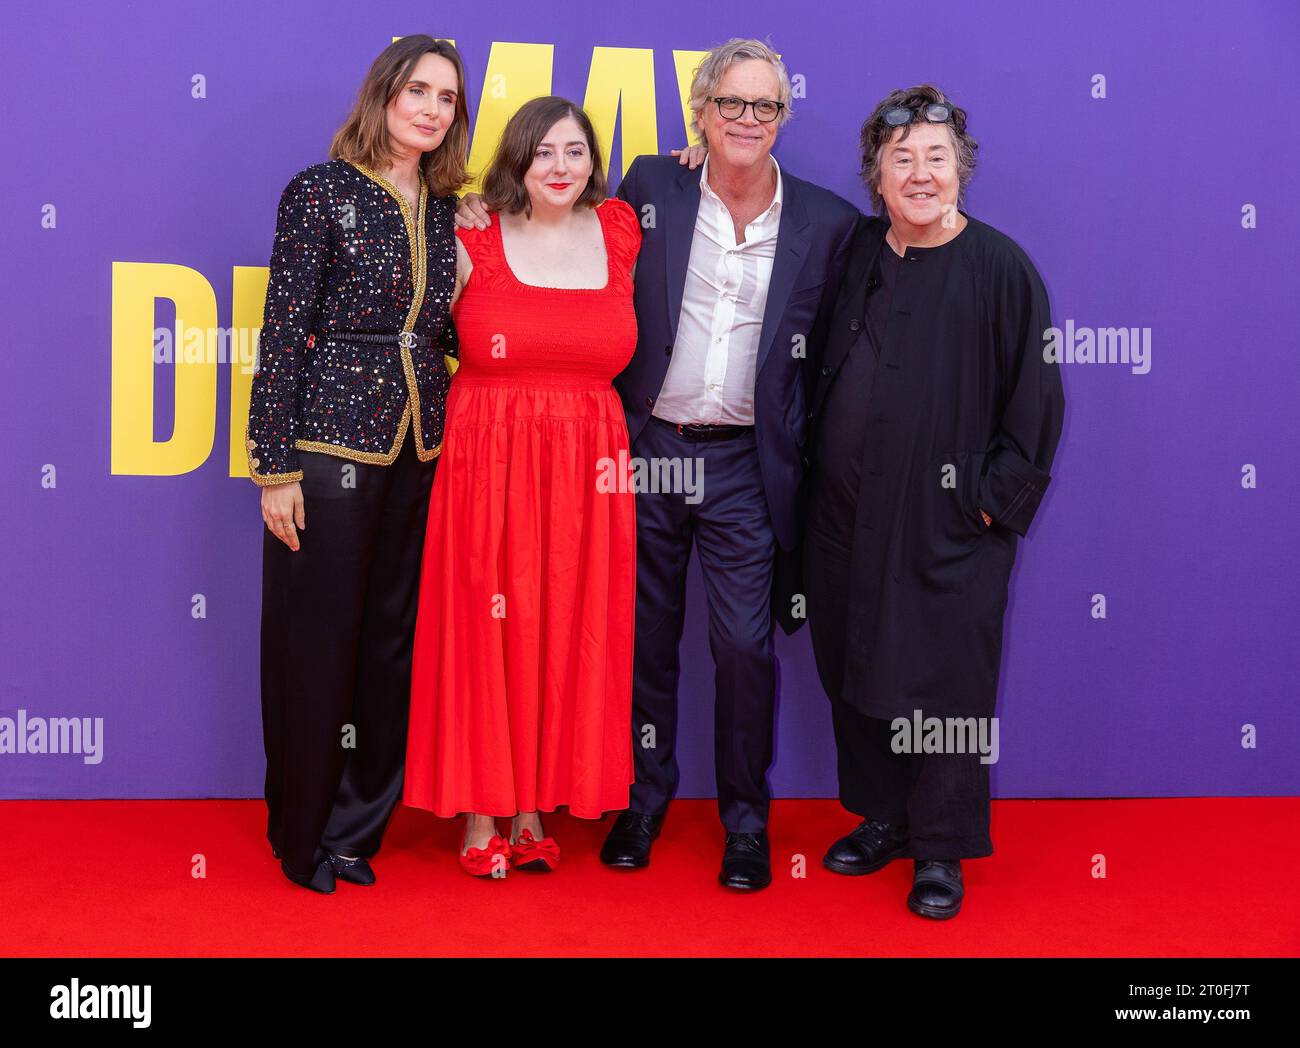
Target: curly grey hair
(876,134)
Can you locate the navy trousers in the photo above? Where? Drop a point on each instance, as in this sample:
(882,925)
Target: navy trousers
(730,528)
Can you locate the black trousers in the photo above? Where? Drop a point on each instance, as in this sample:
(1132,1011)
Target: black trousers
(942,798)
(338,620)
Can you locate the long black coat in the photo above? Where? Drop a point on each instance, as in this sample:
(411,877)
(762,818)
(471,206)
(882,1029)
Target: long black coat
(964,414)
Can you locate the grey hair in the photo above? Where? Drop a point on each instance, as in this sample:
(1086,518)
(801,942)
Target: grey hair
(709,74)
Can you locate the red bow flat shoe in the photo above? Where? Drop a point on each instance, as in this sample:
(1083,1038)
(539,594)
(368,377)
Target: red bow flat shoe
(528,853)
(484,862)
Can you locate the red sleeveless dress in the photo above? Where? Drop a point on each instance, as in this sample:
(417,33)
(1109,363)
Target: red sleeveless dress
(521,685)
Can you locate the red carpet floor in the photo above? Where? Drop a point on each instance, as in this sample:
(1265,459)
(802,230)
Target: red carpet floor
(1187,877)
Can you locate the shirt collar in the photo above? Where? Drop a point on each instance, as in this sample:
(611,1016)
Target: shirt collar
(774,207)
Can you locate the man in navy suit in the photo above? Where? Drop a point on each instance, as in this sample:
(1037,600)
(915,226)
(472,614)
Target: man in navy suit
(739,266)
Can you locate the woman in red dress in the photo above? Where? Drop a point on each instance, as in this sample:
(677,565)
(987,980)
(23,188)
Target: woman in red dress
(522,678)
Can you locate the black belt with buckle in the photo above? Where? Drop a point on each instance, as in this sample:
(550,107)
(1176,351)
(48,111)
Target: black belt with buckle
(699,431)
(405,339)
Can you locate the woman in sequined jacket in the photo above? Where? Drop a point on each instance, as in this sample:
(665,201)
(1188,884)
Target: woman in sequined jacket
(345,425)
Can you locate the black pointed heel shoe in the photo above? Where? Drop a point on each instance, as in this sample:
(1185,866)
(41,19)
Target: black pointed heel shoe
(321,879)
(354,871)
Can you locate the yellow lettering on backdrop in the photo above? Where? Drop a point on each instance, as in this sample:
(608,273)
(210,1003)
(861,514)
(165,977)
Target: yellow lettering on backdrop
(515,73)
(686,62)
(626,76)
(248,299)
(618,75)
(136,286)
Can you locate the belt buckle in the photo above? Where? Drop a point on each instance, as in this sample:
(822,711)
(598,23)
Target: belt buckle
(406,340)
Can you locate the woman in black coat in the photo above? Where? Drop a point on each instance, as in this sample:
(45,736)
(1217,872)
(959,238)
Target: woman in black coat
(936,416)
(345,421)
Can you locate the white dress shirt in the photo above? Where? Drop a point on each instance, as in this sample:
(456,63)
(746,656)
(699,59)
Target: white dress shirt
(710,377)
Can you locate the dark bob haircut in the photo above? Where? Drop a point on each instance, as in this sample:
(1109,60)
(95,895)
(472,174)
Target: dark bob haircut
(503,184)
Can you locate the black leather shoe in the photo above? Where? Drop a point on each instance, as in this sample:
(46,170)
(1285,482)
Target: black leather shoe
(745,863)
(354,871)
(936,888)
(870,847)
(627,847)
(321,880)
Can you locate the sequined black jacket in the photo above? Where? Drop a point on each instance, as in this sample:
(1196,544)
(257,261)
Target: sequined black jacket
(349,256)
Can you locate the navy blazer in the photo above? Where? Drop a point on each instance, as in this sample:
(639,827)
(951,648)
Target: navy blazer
(812,247)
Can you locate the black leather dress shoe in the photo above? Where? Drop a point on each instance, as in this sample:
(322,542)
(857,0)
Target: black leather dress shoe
(870,847)
(745,862)
(354,871)
(627,847)
(936,888)
(321,880)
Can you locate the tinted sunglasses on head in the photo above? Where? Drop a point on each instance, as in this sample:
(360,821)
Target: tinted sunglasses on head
(934,112)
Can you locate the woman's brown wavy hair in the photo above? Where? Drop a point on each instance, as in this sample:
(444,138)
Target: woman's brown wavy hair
(363,138)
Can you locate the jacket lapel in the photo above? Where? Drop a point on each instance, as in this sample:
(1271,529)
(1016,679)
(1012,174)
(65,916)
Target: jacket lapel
(792,243)
(682,205)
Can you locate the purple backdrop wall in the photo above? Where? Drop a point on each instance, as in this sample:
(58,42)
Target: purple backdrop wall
(1131,205)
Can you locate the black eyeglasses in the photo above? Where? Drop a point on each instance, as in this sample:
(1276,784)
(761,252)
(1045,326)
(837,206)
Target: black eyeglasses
(935,112)
(732,108)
